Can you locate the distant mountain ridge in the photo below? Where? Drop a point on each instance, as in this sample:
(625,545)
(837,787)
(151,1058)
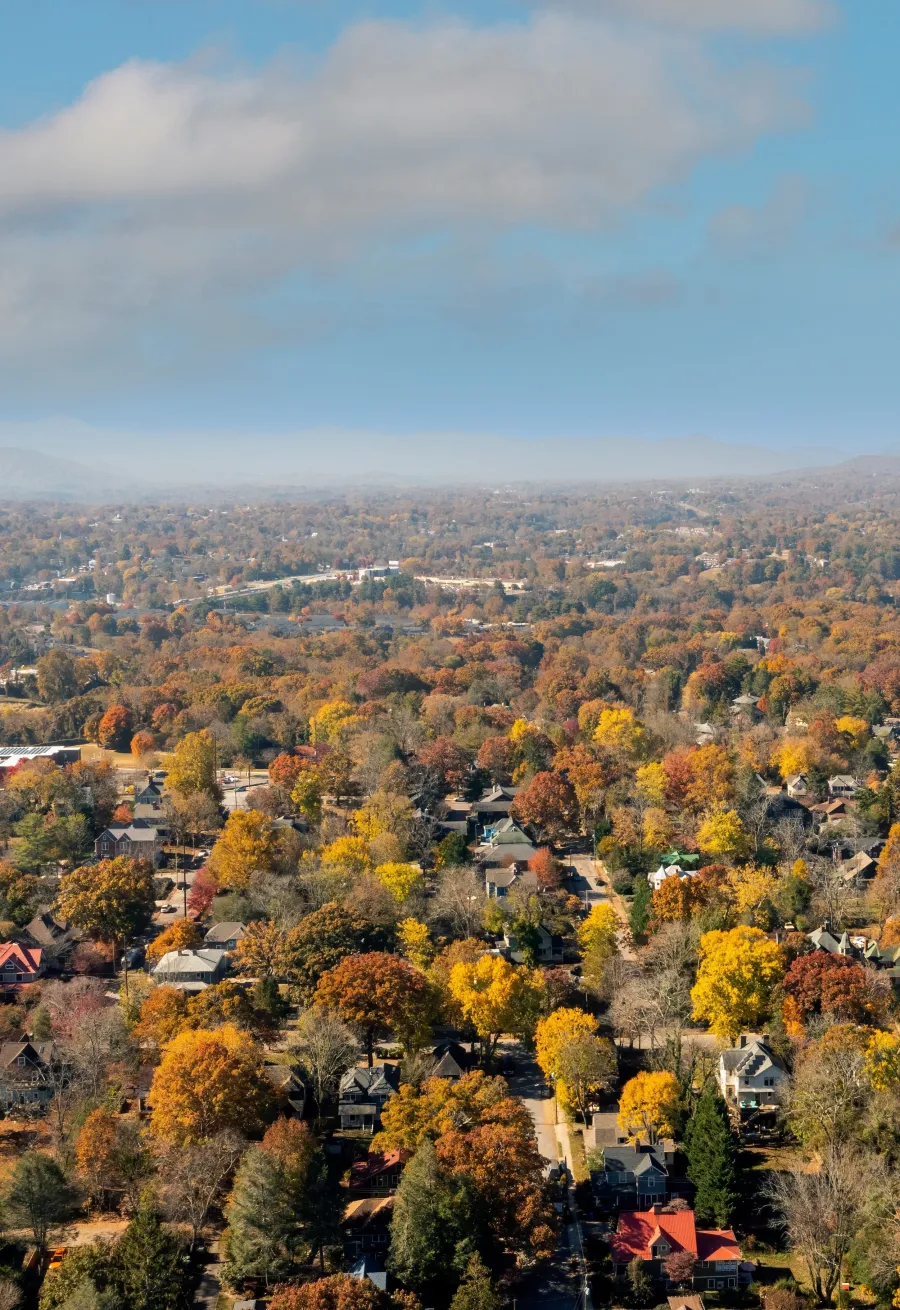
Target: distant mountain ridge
(25,473)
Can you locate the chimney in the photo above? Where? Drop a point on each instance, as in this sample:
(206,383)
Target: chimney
(743,1040)
(656,1207)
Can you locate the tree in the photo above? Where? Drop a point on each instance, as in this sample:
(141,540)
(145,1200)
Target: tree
(432,1222)
(679,1266)
(821,1212)
(114,730)
(549,804)
(401,880)
(639,1282)
(738,972)
(821,984)
(262,951)
(143,744)
(163,1015)
(639,910)
(111,901)
(248,845)
(57,676)
(326,937)
(712,1159)
(277,1215)
(308,793)
(548,869)
(108,1154)
(439,1107)
(497,997)
(679,899)
(572,1056)
(193,1177)
(202,893)
(38,1198)
(723,833)
(476,1291)
(284,771)
(192,767)
(380,994)
(148,1270)
(181,935)
(207,1082)
(337,1292)
(650,1106)
(326,1049)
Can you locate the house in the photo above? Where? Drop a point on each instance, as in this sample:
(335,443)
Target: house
(746,708)
(368,1267)
(11,757)
(752,1080)
(636,1176)
(454,815)
(363,1094)
(860,870)
(451,1061)
(191,970)
(148,803)
(659,876)
(20,965)
(224,936)
(137,840)
(504,842)
(26,1073)
(797,785)
(829,812)
(55,937)
(843,786)
(498,882)
(549,949)
(680,1302)
(494,803)
(288,1086)
(379,1174)
(366,1226)
(653,1235)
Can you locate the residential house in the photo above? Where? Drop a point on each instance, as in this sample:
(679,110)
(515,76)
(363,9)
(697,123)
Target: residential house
(20,965)
(366,1226)
(549,949)
(858,948)
(752,1080)
(148,804)
(288,1086)
(137,840)
(498,882)
(834,811)
(454,815)
(653,1235)
(191,970)
(504,842)
(746,709)
(798,785)
(658,876)
(224,936)
(363,1094)
(379,1174)
(26,1073)
(494,803)
(54,936)
(860,870)
(843,786)
(369,1267)
(637,1176)
(451,1061)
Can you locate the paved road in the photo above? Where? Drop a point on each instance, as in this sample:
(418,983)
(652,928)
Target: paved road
(592,883)
(209,1288)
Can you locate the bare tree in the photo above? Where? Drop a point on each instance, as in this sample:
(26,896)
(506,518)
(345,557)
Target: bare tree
(193,1177)
(326,1049)
(821,1213)
(460,900)
(828,1095)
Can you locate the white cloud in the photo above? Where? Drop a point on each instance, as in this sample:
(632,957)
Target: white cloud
(150,217)
(759,17)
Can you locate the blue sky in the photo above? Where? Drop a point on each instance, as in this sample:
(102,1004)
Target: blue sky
(591,218)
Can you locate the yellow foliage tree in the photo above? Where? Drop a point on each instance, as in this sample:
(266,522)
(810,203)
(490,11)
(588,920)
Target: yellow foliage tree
(855,731)
(347,855)
(619,732)
(248,845)
(651,783)
(415,942)
(554,1032)
(179,936)
(498,997)
(751,887)
(738,972)
(794,755)
(163,1014)
(650,1107)
(658,828)
(882,1062)
(401,880)
(327,721)
(723,833)
(598,934)
(574,1058)
(208,1081)
(192,767)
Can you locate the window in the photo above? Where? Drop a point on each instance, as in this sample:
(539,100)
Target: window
(768,1082)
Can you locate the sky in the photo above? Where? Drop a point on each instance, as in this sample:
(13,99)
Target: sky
(246,226)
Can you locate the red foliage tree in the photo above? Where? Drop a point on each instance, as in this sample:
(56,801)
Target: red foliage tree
(285,770)
(379,993)
(548,869)
(202,893)
(829,984)
(337,1292)
(497,756)
(142,743)
(549,804)
(114,732)
(448,759)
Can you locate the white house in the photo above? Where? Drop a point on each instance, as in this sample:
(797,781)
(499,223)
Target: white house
(843,786)
(191,971)
(751,1076)
(659,876)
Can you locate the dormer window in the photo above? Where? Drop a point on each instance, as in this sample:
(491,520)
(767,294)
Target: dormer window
(661,1249)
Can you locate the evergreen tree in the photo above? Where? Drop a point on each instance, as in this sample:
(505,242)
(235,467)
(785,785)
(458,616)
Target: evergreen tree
(476,1291)
(39,1197)
(432,1216)
(639,914)
(148,1271)
(712,1159)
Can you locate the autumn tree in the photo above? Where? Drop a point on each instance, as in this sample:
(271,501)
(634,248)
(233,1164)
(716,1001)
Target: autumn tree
(57,676)
(738,972)
(262,951)
(833,985)
(143,744)
(497,997)
(548,804)
(325,937)
(207,1082)
(650,1106)
(193,1178)
(285,769)
(548,869)
(114,731)
(247,846)
(336,1292)
(192,767)
(401,880)
(574,1058)
(308,794)
(379,994)
(108,1155)
(182,935)
(111,901)
(163,1013)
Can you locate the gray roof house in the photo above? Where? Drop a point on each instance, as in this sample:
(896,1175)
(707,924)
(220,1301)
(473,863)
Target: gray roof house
(503,842)
(495,802)
(636,1177)
(138,841)
(843,786)
(25,1073)
(191,970)
(752,1079)
(363,1094)
(224,936)
(550,947)
(497,882)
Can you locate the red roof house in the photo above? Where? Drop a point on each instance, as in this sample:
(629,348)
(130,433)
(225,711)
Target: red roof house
(20,965)
(654,1235)
(378,1174)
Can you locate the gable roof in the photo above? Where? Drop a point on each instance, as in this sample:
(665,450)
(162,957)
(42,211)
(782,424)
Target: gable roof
(753,1059)
(138,831)
(36,1052)
(380,1080)
(26,958)
(365,1170)
(199,961)
(640,1230)
(224,932)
